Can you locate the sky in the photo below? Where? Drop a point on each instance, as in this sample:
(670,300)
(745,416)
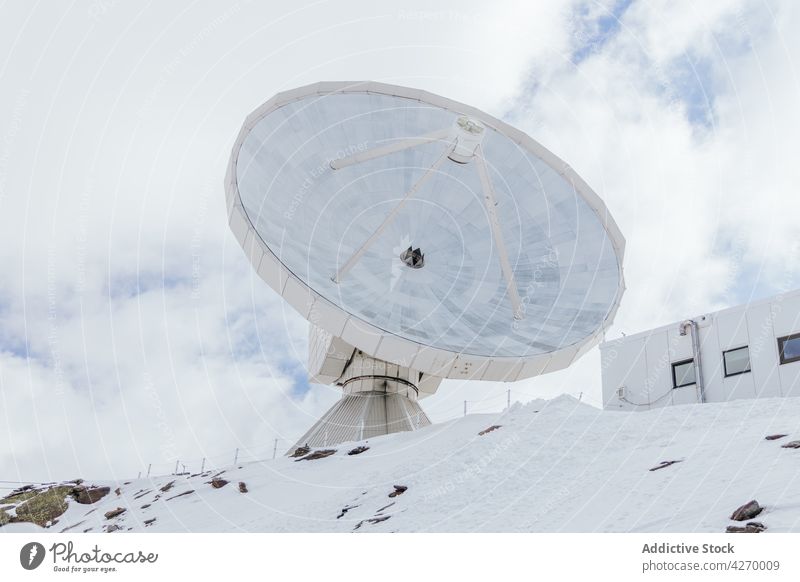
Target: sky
(133,332)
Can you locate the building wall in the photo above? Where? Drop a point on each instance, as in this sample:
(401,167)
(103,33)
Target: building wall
(642,363)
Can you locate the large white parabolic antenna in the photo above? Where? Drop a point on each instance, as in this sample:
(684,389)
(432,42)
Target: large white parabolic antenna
(423,239)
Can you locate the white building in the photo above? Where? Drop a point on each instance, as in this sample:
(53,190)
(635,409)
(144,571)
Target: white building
(749,351)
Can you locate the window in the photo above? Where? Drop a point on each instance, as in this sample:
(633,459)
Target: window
(736,361)
(789,348)
(683,373)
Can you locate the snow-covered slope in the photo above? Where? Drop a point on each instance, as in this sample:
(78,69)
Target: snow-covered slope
(555,466)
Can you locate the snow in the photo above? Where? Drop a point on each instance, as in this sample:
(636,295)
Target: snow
(559,465)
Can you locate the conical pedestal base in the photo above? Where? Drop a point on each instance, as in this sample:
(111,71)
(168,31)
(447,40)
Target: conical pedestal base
(363,415)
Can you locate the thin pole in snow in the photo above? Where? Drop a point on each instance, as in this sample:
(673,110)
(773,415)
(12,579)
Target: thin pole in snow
(150,466)
(139,476)
(203,465)
(465,408)
(236,456)
(176,467)
(275,448)
(508,398)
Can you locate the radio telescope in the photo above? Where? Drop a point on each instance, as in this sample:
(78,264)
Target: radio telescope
(422,239)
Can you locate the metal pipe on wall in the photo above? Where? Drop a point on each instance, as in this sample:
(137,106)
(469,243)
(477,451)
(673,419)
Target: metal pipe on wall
(691,325)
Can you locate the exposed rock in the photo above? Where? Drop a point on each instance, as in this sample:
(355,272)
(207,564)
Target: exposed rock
(44,505)
(167,487)
(357,450)
(774,437)
(317,455)
(372,520)
(385,507)
(345,510)
(115,512)
(142,494)
(662,465)
(4,517)
(117,491)
(490,429)
(147,522)
(145,506)
(791,445)
(751,527)
(89,495)
(180,494)
(242,487)
(22,489)
(398,490)
(301,451)
(112,528)
(72,526)
(747,511)
(20,495)
(218,483)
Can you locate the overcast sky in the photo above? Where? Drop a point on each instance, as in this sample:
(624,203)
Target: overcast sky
(132,329)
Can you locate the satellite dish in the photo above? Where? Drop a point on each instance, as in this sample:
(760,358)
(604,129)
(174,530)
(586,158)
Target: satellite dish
(422,239)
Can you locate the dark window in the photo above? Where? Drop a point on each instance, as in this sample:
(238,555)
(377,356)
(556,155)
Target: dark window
(789,348)
(683,373)
(736,361)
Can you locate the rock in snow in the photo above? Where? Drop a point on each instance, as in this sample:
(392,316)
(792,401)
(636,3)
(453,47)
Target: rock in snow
(747,511)
(114,513)
(751,527)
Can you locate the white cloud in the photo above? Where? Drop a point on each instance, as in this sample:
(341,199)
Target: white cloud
(150,336)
